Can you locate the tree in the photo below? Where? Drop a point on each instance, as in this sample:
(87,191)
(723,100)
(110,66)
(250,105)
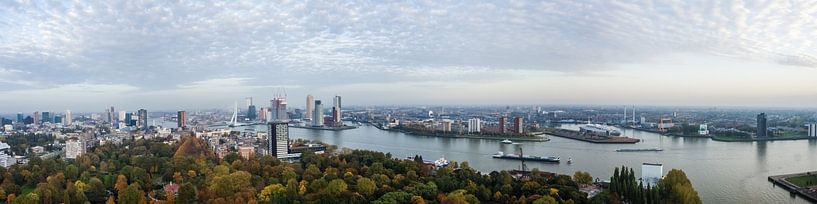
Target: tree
(336,187)
(545,200)
(121,183)
(187,194)
(676,188)
(130,195)
(366,186)
(459,197)
(275,193)
(583,178)
(393,197)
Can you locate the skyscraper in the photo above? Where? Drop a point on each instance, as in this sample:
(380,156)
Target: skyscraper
(503,121)
(336,114)
(129,119)
(46,117)
(121,117)
(263,114)
(317,116)
(278,139)
(142,119)
(20,118)
(310,106)
(762,129)
(182,119)
(474,125)
(518,126)
(278,108)
(812,130)
(69,118)
(252,114)
(36,117)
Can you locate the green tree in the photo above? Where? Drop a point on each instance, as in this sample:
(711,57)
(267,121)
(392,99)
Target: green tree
(187,194)
(583,178)
(393,197)
(676,188)
(336,187)
(130,195)
(366,186)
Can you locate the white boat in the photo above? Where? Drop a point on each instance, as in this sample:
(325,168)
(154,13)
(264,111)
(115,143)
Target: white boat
(442,162)
(507,141)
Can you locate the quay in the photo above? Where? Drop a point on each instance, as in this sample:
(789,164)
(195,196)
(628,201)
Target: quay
(571,134)
(325,128)
(809,193)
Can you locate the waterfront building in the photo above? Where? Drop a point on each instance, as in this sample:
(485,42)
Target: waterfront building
(263,113)
(762,129)
(181,119)
(703,129)
(74,147)
(518,125)
(812,130)
(310,106)
(474,125)
(142,119)
(317,117)
(445,126)
(651,173)
(69,118)
(503,121)
(336,113)
(278,139)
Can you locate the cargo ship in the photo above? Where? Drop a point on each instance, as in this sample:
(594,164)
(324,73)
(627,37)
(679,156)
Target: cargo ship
(502,155)
(640,150)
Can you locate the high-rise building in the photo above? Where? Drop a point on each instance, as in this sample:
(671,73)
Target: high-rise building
(57,119)
(278,139)
(111,115)
(651,173)
(474,125)
(503,121)
(317,116)
(142,119)
(129,119)
(36,117)
(518,125)
(121,117)
(762,129)
(278,108)
(181,119)
(263,114)
(20,118)
(336,113)
(812,130)
(310,106)
(74,147)
(46,118)
(252,114)
(69,118)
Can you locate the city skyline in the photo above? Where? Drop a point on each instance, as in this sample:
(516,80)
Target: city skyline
(167,56)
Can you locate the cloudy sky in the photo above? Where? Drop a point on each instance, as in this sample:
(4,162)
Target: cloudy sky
(85,55)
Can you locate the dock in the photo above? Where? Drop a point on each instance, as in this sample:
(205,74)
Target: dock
(571,134)
(805,192)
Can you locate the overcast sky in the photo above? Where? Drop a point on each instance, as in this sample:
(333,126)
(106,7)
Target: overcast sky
(86,55)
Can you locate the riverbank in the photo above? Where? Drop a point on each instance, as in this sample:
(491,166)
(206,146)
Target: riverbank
(570,134)
(723,138)
(806,191)
(516,138)
(345,127)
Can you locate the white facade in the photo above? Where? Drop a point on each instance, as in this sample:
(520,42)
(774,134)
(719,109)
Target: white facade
(703,129)
(317,116)
(474,125)
(651,173)
(812,130)
(8,128)
(6,160)
(74,148)
(69,118)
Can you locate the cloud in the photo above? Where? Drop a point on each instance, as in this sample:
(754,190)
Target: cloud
(168,45)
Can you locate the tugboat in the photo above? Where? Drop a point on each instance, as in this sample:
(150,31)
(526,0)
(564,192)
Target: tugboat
(507,141)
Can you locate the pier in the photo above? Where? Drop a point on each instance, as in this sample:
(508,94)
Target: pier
(808,192)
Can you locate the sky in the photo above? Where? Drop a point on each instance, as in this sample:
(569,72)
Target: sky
(166,55)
